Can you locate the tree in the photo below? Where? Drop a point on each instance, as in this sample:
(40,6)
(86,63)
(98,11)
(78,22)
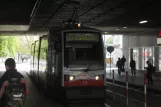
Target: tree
(25,44)
(8,46)
(3,48)
(13,45)
(109,40)
(43,49)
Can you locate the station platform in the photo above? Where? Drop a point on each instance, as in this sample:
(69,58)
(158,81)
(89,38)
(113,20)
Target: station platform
(135,80)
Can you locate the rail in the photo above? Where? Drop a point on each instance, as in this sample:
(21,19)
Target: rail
(131,97)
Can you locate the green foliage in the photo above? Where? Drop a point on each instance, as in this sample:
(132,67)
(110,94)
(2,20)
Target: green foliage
(8,46)
(13,45)
(36,50)
(109,40)
(3,49)
(32,49)
(24,49)
(25,43)
(43,49)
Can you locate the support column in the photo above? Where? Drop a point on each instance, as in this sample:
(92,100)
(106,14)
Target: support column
(156,58)
(126,55)
(125,50)
(140,58)
(131,53)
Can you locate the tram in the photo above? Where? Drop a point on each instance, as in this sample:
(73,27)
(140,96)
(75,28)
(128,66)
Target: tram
(70,63)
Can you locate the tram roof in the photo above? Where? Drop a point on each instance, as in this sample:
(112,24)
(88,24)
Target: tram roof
(84,28)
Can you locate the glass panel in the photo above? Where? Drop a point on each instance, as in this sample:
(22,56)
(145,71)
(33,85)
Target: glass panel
(148,55)
(129,60)
(84,49)
(116,42)
(36,56)
(159,57)
(143,54)
(32,56)
(43,55)
(136,57)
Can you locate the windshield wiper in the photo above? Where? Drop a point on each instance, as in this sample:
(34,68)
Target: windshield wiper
(88,68)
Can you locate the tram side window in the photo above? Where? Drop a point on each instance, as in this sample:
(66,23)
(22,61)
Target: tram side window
(58,58)
(36,56)
(43,55)
(58,45)
(32,55)
(51,56)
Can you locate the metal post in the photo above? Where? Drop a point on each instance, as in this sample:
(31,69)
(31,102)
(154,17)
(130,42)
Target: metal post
(113,83)
(127,88)
(110,63)
(113,76)
(144,89)
(144,57)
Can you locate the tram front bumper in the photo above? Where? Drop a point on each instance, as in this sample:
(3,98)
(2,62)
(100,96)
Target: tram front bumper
(85,92)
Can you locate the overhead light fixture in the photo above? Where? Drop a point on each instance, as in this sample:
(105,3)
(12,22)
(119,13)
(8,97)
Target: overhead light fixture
(144,21)
(106,32)
(117,29)
(125,27)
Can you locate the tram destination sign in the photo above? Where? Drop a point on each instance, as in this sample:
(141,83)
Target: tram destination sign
(82,37)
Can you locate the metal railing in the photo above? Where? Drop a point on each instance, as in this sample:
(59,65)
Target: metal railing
(131,97)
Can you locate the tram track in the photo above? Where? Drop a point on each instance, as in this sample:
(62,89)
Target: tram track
(134,94)
(136,89)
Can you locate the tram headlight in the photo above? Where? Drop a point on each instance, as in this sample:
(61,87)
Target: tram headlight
(97,77)
(71,78)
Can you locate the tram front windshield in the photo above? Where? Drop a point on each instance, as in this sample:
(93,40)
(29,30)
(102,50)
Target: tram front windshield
(83,49)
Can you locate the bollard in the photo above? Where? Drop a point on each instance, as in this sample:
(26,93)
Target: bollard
(145,89)
(127,88)
(113,83)
(113,76)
